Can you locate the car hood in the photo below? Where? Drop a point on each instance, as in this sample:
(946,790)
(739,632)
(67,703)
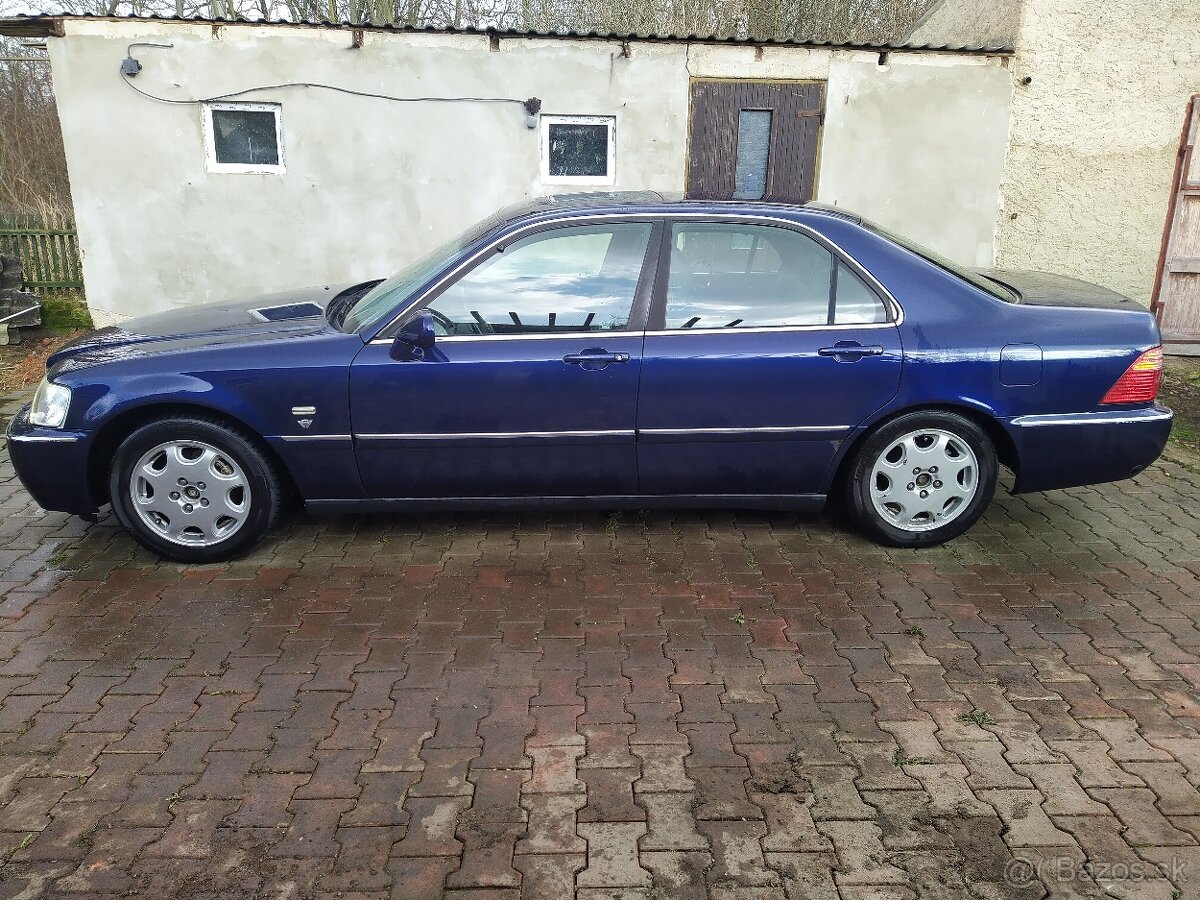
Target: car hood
(240,321)
(1044,289)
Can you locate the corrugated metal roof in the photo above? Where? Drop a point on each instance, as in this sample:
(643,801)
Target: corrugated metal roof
(51,26)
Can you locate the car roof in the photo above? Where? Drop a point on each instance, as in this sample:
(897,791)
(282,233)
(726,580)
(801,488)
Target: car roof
(657,202)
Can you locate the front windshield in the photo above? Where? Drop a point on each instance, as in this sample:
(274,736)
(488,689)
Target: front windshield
(995,288)
(377,303)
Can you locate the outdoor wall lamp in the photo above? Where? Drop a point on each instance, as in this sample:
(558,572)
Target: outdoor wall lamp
(129,65)
(533,106)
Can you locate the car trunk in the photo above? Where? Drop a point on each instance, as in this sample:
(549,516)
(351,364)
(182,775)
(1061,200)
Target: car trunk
(1043,289)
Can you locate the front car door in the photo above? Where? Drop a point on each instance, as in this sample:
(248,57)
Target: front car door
(531,386)
(765,349)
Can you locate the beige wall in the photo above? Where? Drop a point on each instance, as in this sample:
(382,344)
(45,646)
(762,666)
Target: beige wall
(917,144)
(1094,136)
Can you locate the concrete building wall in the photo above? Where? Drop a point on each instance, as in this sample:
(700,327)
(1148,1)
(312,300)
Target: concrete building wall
(1094,136)
(917,144)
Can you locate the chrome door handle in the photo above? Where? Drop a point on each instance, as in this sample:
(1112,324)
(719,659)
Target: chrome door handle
(851,349)
(595,356)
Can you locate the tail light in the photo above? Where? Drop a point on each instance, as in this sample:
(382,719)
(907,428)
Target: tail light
(1141,380)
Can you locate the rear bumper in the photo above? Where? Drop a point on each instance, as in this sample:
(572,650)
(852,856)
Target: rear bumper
(1061,451)
(52,465)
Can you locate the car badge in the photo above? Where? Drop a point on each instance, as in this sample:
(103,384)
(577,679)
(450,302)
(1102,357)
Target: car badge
(304,415)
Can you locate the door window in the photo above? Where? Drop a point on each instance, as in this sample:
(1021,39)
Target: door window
(566,280)
(856,303)
(759,276)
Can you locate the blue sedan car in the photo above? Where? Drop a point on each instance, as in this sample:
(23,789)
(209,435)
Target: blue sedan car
(619,350)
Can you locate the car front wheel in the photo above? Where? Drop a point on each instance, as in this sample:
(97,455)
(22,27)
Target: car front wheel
(193,489)
(922,479)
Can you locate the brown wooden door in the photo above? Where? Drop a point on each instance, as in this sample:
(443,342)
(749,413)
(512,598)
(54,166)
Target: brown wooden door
(1177,288)
(743,130)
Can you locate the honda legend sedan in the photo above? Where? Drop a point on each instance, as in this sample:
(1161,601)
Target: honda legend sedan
(607,351)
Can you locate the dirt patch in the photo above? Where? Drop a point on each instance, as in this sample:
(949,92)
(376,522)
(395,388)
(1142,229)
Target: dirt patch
(22,365)
(1181,392)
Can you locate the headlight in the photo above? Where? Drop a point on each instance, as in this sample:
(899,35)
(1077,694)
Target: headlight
(50,405)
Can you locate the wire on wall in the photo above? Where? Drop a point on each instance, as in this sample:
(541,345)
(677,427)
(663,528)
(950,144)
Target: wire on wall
(130,67)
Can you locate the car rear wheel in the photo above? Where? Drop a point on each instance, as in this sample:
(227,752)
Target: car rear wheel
(193,489)
(922,479)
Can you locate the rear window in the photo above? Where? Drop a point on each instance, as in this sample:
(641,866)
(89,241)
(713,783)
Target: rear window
(985,284)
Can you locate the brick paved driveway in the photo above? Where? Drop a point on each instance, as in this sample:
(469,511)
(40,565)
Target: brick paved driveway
(658,706)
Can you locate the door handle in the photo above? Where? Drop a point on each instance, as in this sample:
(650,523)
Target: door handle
(590,356)
(851,349)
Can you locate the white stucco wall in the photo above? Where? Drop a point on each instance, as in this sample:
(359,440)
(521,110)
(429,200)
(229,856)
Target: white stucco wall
(916,144)
(919,149)
(1094,136)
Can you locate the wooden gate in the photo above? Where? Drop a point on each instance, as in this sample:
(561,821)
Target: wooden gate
(1177,285)
(754,139)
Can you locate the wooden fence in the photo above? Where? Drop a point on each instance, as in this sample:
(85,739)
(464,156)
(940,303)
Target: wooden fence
(49,252)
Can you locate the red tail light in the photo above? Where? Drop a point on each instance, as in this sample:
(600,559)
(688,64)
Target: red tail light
(1141,380)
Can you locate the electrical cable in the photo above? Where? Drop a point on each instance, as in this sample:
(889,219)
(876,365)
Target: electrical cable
(319,86)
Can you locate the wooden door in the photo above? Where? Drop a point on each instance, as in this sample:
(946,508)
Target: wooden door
(1177,287)
(754,140)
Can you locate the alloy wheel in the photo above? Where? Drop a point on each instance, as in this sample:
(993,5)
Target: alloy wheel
(924,479)
(190,493)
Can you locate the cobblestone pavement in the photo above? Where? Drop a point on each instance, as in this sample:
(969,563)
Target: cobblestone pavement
(638,706)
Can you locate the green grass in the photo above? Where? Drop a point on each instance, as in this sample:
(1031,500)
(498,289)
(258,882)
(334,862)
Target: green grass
(1185,434)
(978,717)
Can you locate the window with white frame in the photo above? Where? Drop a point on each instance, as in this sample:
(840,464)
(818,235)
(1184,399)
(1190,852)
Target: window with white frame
(578,149)
(243,137)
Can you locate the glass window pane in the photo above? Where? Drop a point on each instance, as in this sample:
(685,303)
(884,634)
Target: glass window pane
(566,280)
(753,152)
(577,150)
(746,276)
(245,137)
(857,304)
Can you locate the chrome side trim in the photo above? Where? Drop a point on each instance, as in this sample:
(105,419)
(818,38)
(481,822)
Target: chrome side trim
(767,329)
(301,438)
(491,435)
(44,438)
(304,410)
(1116,417)
(772,429)
(896,309)
(533,336)
(694,332)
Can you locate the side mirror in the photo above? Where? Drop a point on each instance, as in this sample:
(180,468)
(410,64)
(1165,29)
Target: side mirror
(415,337)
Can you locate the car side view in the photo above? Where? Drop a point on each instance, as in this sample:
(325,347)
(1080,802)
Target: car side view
(608,351)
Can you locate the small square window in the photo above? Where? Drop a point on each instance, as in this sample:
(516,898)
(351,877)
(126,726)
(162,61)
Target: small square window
(243,137)
(578,149)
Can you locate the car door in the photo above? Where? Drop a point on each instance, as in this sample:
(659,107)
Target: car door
(530,388)
(765,350)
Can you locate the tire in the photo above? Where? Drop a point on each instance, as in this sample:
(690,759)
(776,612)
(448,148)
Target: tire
(890,471)
(236,488)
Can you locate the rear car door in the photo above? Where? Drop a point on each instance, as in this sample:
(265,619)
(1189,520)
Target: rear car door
(765,349)
(530,388)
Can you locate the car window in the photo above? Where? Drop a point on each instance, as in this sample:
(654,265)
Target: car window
(381,300)
(997,289)
(856,303)
(760,276)
(578,278)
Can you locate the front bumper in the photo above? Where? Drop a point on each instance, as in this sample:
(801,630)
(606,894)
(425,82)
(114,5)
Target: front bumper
(52,465)
(1061,451)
